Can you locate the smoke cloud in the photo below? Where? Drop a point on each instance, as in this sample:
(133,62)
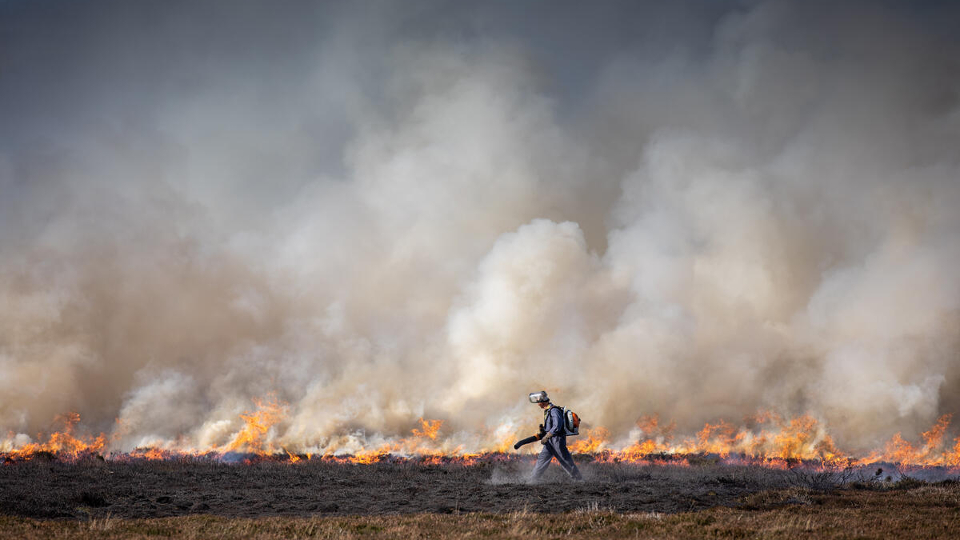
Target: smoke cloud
(378,212)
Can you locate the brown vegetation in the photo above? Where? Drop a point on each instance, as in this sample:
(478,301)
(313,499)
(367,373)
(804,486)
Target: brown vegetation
(926,511)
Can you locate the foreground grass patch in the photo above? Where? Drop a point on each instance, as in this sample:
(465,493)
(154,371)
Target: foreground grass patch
(930,511)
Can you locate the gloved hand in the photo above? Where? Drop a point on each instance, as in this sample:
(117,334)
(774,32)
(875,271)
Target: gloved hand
(545,438)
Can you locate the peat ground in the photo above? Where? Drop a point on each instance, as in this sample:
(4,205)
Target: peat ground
(203,499)
(91,488)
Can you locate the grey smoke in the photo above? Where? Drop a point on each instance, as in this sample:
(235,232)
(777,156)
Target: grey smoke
(379,212)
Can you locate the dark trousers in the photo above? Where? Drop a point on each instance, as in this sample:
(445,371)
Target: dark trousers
(556,447)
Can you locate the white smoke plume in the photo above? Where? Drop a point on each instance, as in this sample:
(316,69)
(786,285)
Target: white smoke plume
(383,212)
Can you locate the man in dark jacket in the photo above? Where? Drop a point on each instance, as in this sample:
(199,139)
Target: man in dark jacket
(554,439)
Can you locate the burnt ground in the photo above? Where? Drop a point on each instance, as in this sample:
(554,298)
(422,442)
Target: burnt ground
(49,489)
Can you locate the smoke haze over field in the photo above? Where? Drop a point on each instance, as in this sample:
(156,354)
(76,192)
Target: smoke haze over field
(381,211)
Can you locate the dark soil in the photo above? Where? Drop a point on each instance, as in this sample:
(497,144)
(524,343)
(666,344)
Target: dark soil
(95,488)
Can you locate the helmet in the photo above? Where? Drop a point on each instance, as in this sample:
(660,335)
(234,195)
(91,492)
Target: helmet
(539,397)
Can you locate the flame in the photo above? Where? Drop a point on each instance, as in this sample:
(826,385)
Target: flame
(269,412)
(152,453)
(593,441)
(428,429)
(898,450)
(933,439)
(62,444)
(954,458)
(716,439)
(766,439)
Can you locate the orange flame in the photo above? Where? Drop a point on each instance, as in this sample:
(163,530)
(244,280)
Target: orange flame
(594,440)
(62,443)
(428,429)
(256,425)
(772,441)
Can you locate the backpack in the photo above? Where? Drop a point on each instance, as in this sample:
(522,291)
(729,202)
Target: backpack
(571,421)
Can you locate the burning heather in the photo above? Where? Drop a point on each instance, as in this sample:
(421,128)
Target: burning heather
(767,440)
(365,231)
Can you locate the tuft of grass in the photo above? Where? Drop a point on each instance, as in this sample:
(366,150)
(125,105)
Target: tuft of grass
(102,524)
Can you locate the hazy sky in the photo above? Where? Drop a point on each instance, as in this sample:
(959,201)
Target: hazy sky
(378,211)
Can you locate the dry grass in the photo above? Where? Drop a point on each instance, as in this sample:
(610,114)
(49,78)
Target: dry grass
(928,511)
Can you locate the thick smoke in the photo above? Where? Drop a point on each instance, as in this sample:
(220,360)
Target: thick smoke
(382,212)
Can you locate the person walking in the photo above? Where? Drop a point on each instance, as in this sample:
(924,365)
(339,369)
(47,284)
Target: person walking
(553,438)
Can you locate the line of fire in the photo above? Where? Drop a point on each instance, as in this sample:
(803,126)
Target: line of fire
(767,440)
